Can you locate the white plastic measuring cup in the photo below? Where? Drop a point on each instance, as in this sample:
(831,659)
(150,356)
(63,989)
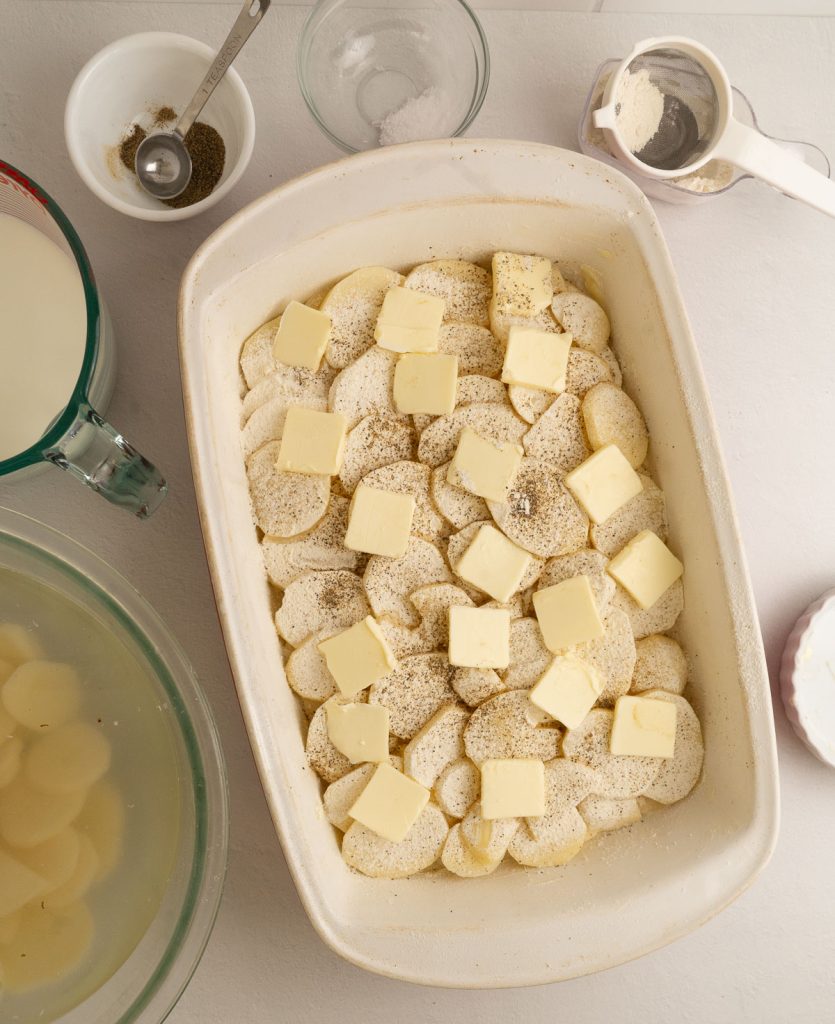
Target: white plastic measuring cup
(697,123)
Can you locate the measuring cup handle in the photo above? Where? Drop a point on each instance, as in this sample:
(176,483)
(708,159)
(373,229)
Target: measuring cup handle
(753,152)
(98,455)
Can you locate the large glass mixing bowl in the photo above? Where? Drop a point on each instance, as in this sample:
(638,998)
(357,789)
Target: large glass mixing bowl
(153,914)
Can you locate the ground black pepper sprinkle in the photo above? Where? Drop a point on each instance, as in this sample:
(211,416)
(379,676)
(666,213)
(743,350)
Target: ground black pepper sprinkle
(208,156)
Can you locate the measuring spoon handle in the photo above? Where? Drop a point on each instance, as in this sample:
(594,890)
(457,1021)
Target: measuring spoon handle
(245,24)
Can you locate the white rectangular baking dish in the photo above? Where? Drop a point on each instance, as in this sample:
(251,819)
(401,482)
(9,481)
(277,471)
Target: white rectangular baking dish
(627,893)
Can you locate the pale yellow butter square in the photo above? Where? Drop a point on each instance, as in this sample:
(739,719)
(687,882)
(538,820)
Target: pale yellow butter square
(426,383)
(568,689)
(312,442)
(302,336)
(512,788)
(646,568)
(494,564)
(484,467)
(536,359)
(359,731)
(379,522)
(390,804)
(479,637)
(522,285)
(643,727)
(358,656)
(604,483)
(567,613)
(409,321)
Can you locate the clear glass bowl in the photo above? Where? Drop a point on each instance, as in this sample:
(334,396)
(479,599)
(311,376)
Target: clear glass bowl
(156,910)
(398,71)
(593,143)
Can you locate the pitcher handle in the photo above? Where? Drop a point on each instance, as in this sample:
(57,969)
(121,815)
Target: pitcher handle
(97,454)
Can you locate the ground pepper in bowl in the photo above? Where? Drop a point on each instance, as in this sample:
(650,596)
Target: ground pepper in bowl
(206,149)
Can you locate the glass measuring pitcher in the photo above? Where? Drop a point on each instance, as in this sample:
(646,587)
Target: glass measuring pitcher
(78,440)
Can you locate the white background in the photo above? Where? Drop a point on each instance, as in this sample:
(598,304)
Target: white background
(758,275)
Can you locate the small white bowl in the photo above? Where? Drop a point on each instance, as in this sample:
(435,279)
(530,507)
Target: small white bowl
(123,84)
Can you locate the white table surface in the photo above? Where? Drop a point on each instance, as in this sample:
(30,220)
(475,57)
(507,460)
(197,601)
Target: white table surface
(758,275)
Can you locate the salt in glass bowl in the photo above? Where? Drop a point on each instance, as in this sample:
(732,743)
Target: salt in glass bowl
(392,72)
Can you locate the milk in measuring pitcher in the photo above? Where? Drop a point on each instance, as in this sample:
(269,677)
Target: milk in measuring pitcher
(43,325)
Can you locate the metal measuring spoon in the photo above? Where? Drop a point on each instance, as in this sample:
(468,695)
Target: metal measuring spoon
(162,163)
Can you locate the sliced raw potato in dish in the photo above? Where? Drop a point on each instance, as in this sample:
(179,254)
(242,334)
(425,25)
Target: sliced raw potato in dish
(365,387)
(267,422)
(307,671)
(331,599)
(374,442)
(588,563)
(436,745)
(583,318)
(563,842)
(540,515)
(19,883)
(102,820)
(328,762)
(257,359)
(29,817)
(679,773)
(646,511)
(660,618)
(506,726)
(602,815)
(82,878)
(293,384)
(340,796)
(611,360)
(529,403)
(529,657)
(376,857)
(67,759)
(660,665)
(456,505)
(459,858)
(613,655)
(489,419)
(457,787)
(488,840)
(284,504)
(322,547)
(42,694)
(47,945)
(433,602)
(476,685)
(18,644)
(406,477)
(618,776)
(475,388)
(585,369)
(557,436)
(567,783)
(477,350)
(501,322)
(465,288)
(390,581)
(353,305)
(415,691)
(611,417)
(10,758)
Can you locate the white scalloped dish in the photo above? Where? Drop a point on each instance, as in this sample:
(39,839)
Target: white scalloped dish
(634,890)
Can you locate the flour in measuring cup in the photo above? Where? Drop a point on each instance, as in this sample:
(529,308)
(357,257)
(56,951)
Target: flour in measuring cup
(640,106)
